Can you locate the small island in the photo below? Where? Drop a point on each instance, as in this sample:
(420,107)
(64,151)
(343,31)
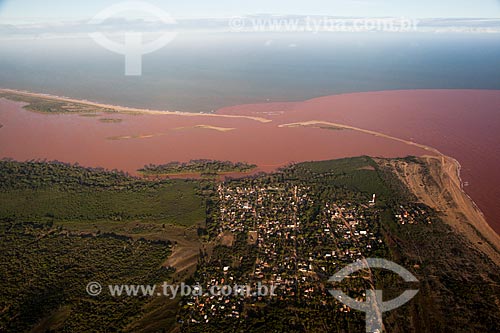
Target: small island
(202,166)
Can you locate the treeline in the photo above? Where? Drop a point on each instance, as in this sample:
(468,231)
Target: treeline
(35,174)
(194,166)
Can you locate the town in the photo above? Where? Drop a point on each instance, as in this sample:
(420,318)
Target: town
(280,234)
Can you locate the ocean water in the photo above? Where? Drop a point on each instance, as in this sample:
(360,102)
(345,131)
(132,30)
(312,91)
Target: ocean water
(203,72)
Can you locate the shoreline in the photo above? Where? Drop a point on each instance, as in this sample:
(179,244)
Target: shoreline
(445,159)
(128,110)
(461,213)
(480,225)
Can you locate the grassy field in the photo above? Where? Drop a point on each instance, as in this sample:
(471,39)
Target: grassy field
(65,193)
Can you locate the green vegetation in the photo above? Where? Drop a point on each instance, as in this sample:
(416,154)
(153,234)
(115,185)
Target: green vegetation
(51,105)
(63,226)
(60,192)
(458,285)
(359,175)
(204,167)
(110,120)
(45,271)
(332,128)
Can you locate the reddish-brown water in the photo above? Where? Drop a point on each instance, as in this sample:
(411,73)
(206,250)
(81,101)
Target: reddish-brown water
(86,140)
(462,124)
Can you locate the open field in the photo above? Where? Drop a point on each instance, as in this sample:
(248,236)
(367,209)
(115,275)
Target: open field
(185,241)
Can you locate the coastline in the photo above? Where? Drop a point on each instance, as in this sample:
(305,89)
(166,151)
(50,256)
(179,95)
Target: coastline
(450,165)
(438,186)
(128,110)
(478,222)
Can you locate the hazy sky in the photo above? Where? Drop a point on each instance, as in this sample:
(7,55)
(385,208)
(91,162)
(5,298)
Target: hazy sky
(38,10)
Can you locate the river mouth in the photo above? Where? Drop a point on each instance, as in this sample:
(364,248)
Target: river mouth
(462,124)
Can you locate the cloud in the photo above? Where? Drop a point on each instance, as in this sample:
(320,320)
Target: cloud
(479,25)
(295,23)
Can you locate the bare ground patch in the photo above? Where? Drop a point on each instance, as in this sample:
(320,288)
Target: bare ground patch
(226,238)
(185,250)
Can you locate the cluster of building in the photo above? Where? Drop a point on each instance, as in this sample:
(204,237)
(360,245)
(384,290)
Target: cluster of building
(412,214)
(297,241)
